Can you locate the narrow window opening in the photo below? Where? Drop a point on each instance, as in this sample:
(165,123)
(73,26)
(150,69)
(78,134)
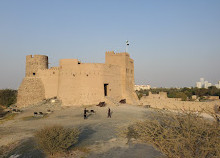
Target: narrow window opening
(106,89)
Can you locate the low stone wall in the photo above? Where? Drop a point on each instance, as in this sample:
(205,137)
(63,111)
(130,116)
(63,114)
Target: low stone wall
(175,104)
(212,97)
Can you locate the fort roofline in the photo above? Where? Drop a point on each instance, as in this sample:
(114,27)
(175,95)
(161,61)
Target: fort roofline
(117,54)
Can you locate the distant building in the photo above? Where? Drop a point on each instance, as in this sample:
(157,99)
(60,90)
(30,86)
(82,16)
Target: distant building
(202,80)
(217,85)
(203,83)
(207,84)
(198,84)
(143,87)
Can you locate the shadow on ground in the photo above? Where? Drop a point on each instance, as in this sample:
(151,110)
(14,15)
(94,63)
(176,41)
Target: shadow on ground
(134,151)
(85,136)
(27,149)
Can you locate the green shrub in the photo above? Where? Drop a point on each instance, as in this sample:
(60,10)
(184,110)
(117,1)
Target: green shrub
(56,139)
(179,135)
(140,95)
(181,95)
(8,97)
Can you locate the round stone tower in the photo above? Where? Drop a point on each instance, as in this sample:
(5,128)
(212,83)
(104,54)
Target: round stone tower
(34,63)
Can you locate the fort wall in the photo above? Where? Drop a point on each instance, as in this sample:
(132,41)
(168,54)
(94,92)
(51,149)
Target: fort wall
(79,84)
(76,83)
(31,91)
(161,95)
(32,88)
(49,77)
(126,65)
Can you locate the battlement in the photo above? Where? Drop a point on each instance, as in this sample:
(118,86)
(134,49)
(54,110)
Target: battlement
(37,57)
(117,54)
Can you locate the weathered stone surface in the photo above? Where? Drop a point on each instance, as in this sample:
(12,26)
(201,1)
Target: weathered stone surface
(30,91)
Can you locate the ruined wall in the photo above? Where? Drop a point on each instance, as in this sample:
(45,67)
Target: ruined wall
(161,95)
(212,97)
(30,91)
(176,104)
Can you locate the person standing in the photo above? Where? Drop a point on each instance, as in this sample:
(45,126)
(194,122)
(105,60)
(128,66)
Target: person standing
(109,113)
(85,113)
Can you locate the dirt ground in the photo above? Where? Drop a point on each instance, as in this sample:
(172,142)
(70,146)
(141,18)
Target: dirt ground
(98,133)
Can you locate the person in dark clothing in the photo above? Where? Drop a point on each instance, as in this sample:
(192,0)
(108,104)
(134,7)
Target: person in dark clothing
(85,113)
(109,113)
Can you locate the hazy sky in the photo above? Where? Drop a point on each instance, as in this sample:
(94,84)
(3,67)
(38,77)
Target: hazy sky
(173,43)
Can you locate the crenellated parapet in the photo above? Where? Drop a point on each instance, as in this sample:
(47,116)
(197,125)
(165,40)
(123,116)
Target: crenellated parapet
(117,53)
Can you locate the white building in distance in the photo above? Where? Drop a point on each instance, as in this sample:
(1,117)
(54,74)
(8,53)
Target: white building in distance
(203,83)
(143,87)
(217,85)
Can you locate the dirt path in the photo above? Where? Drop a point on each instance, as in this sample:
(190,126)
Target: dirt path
(98,133)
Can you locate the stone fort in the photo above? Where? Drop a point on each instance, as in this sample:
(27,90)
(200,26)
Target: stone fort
(76,83)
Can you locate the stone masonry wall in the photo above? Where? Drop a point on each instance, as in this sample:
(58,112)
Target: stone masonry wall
(30,91)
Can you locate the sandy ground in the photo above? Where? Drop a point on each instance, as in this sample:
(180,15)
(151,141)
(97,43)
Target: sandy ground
(98,133)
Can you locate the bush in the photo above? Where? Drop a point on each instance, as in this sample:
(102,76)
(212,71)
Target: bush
(181,95)
(179,135)
(8,97)
(56,139)
(139,95)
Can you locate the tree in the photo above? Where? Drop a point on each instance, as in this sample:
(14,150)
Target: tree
(8,97)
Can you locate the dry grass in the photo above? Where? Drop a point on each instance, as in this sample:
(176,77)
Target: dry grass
(179,135)
(217,109)
(8,117)
(30,118)
(56,139)
(4,150)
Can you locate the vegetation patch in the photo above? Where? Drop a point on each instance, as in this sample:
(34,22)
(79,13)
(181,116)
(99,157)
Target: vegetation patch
(56,139)
(183,93)
(8,97)
(5,149)
(178,135)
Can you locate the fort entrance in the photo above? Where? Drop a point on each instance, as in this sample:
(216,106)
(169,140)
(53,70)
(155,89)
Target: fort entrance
(106,89)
